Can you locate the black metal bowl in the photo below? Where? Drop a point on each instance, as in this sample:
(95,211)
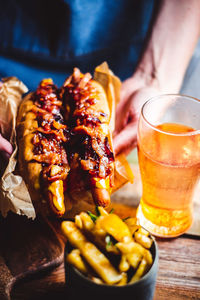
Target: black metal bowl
(81,287)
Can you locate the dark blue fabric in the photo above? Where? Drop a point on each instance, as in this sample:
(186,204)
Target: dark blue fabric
(47,38)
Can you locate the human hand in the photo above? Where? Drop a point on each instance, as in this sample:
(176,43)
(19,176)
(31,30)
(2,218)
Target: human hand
(134,93)
(5,147)
(161,66)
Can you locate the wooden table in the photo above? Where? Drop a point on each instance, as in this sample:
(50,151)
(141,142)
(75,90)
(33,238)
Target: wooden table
(179,269)
(179,260)
(178,276)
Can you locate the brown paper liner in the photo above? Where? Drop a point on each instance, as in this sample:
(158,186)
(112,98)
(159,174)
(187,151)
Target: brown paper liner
(14,195)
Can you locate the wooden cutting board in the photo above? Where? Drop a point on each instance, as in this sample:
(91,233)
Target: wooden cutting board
(26,248)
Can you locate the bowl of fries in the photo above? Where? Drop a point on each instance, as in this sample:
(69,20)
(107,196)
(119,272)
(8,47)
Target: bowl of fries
(108,256)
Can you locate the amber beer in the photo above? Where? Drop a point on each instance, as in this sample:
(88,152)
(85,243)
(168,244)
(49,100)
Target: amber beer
(169,160)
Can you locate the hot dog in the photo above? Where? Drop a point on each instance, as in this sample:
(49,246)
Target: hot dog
(41,136)
(89,145)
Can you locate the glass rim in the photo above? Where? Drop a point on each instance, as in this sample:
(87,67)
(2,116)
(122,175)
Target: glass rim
(194,132)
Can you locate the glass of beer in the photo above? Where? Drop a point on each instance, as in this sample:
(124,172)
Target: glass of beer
(169,161)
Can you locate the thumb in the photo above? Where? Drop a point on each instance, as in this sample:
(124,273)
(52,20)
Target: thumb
(5,146)
(126,139)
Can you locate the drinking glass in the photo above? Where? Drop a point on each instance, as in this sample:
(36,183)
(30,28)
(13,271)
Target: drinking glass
(169,161)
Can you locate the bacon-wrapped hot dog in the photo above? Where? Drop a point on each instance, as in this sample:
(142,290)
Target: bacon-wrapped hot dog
(42,156)
(89,146)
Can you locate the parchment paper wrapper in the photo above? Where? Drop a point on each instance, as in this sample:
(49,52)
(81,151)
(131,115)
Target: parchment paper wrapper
(14,195)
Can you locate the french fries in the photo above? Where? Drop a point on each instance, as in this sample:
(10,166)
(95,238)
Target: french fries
(76,260)
(108,249)
(96,259)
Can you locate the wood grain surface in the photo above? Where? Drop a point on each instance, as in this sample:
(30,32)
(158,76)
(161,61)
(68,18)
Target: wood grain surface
(179,269)
(27,248)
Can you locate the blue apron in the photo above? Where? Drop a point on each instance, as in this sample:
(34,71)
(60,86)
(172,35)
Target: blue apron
(48,38)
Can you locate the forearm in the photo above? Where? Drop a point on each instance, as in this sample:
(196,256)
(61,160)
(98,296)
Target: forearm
(170,45)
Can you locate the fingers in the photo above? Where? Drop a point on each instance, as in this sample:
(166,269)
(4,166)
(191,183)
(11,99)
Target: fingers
(127,115)
(5,147)
(122,111)
(126,140)
(122,114)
